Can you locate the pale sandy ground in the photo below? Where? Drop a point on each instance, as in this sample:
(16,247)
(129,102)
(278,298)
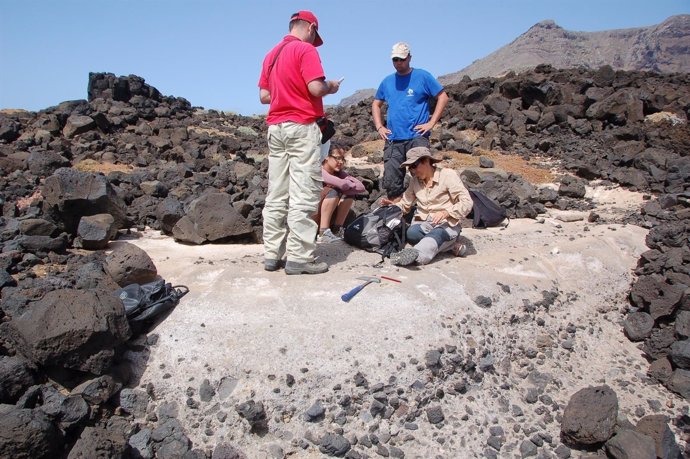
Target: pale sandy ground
(250,328)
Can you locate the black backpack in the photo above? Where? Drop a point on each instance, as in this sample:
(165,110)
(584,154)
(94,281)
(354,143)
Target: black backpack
(486,212)
(381,231)
(144,303)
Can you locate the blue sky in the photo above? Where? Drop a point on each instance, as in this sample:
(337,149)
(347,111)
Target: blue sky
(210,51)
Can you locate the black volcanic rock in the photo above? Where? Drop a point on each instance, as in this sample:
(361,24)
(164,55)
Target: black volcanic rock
(590,417)
(16,375)
(71,194)
(72,329)
(28,433)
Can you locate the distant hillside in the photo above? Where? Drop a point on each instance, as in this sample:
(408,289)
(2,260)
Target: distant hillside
(358,96)
(661,48)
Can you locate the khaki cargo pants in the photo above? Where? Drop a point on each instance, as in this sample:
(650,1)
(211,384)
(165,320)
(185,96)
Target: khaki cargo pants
(294,186)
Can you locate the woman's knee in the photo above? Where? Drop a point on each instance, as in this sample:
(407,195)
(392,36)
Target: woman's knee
(414,233)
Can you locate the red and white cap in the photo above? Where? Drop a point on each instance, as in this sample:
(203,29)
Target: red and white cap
(311,19)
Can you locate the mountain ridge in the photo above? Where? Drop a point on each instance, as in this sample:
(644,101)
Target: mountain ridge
(663,48)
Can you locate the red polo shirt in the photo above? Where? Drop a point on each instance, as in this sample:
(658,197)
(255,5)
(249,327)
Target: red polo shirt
(298,63)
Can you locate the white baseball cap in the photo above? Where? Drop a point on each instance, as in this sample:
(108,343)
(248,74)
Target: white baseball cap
(401,50)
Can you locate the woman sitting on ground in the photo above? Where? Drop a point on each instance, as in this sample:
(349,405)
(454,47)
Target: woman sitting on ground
(337,196)
(442,202)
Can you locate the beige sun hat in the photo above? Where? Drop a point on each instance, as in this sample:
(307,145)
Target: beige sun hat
(416,153)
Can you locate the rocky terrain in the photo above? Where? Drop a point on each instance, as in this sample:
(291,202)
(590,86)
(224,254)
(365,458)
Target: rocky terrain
(77,176)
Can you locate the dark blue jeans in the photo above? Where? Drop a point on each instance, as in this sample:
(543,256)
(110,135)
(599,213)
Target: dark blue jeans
(415,233)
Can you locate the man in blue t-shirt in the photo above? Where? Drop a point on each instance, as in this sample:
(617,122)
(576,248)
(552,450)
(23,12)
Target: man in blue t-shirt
(407,93)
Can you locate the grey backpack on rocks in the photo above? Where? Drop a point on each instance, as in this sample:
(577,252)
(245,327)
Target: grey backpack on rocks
(381,231)
(144,303)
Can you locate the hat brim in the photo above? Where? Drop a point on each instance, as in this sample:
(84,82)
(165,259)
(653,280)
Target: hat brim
(318,41)
(400,56)
(412,161)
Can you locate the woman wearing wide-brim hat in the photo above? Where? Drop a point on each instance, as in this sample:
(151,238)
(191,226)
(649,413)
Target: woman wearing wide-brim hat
(441,200)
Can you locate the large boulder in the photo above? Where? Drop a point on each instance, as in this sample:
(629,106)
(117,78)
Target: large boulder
(622,107)
(42,244)
(16,375)
(590,417)
(71,194)
(78,124)
(656,427)
(103,440)
(44,163)
(95,231)
(28,434)
(168,212)
(638,326)
(129,264)
(653,294)
(212,218)
(36,227)
(73,329)
(680,354)
(69,411)
(629,444)
(572,187)
(9,129)
(679,382)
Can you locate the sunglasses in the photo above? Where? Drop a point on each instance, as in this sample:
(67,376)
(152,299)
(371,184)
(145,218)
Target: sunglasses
(398,59)
(340,159)
(414,164)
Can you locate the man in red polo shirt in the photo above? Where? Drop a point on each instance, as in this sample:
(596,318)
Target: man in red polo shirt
(292,81)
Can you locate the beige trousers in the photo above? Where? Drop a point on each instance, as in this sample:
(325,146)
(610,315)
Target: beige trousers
(294,186)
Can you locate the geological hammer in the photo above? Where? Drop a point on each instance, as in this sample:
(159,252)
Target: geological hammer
(349,295)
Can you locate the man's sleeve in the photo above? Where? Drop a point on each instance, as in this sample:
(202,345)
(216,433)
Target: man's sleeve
(433,86)
(310,67)
(263,77)
(380,92)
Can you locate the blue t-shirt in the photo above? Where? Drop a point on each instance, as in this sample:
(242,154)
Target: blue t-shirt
(408,101)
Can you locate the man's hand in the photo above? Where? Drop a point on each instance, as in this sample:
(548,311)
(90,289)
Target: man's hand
(384,132)
(422,129)
(333,86)
(439,217)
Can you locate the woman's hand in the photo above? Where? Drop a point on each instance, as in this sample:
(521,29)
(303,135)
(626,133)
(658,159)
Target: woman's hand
(438,217)
(386,202)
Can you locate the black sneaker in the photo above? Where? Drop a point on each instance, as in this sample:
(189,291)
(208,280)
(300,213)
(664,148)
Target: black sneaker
(293,267)
(404,257)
